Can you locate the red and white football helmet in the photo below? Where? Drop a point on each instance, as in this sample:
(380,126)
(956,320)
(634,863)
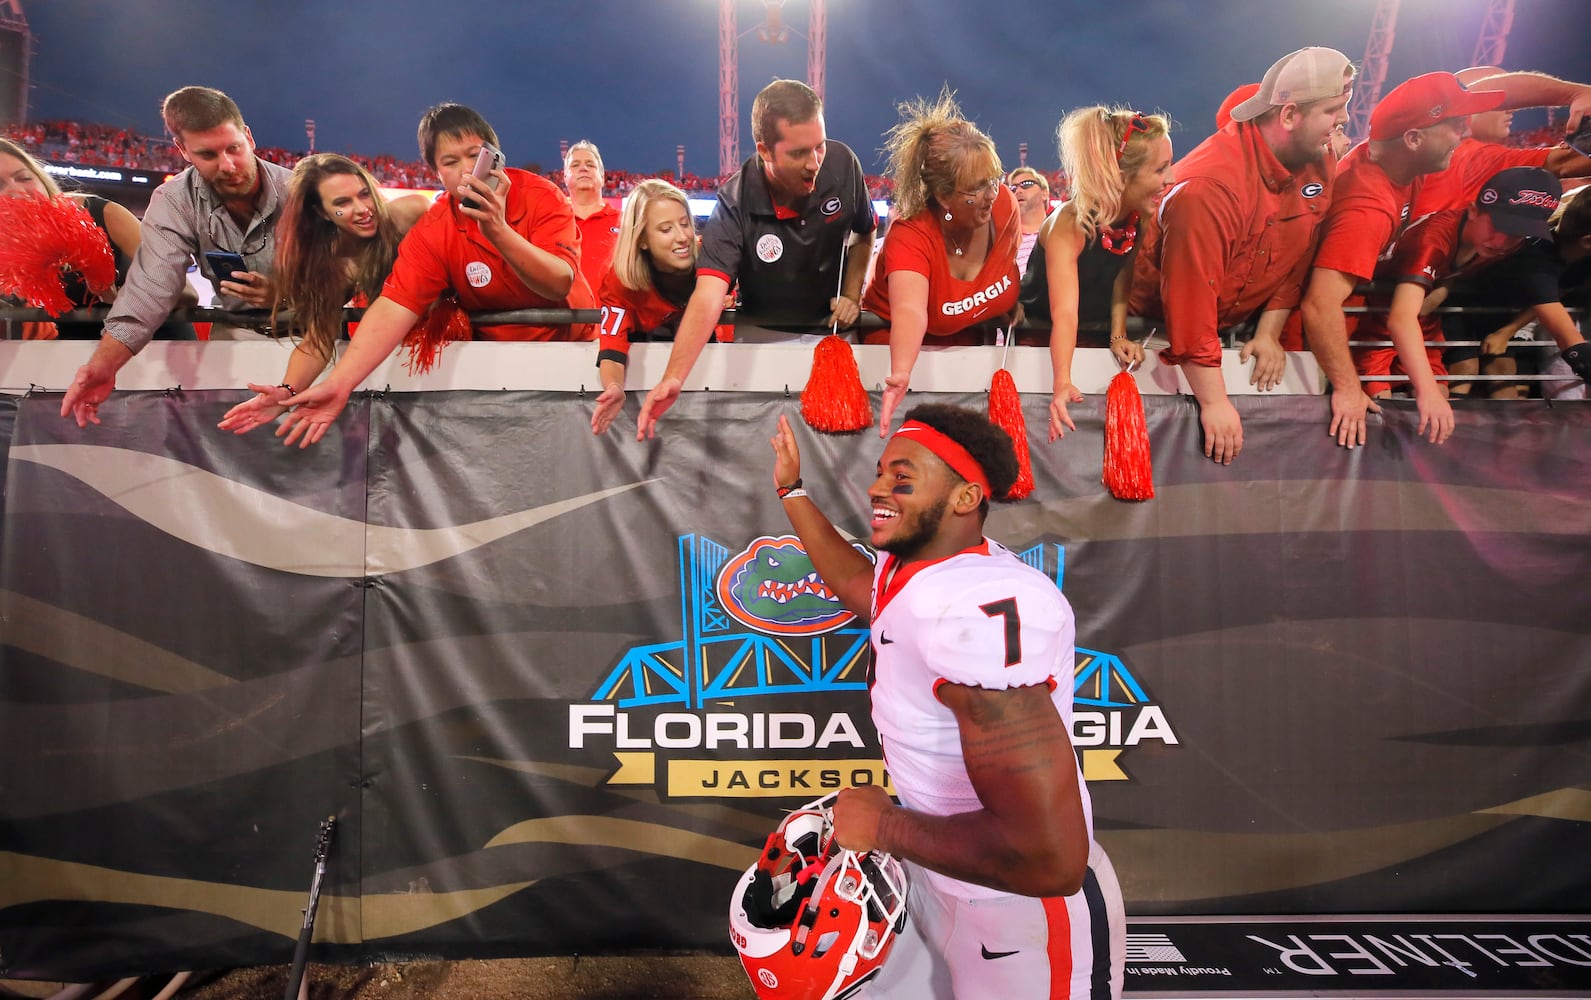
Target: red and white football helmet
(811,920)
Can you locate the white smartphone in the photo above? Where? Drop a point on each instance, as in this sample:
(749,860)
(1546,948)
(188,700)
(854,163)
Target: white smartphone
(486,161)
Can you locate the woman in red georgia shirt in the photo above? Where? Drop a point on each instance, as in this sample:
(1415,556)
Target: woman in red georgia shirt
(948,267)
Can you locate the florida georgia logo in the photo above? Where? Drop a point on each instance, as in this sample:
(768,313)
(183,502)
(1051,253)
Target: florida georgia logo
(772,587)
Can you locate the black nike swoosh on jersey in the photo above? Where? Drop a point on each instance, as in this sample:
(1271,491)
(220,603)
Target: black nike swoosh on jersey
(991,955)
(884,640)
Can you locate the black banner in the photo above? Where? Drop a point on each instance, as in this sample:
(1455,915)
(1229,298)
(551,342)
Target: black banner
(556,688)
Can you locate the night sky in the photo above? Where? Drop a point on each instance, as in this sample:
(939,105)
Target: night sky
(637,77)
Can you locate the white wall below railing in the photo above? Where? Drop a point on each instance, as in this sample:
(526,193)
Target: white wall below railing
(51,365)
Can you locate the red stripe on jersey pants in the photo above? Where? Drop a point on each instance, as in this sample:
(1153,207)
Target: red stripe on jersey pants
(1059,945)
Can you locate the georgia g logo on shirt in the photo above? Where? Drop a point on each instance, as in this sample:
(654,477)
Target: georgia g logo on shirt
(478,274)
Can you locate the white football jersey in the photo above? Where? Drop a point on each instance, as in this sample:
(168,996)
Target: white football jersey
(982,618)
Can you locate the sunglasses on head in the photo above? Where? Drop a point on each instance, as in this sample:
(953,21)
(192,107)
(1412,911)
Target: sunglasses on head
(1139,123)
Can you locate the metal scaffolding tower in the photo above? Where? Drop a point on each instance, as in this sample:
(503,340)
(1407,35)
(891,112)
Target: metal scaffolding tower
(728,90)
(1373,71)
(774,31)
(817,44)
(16,50)
(1493,41)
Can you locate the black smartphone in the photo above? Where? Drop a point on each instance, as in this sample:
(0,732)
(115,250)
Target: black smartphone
(486,161)
(1580,142)
(224,264)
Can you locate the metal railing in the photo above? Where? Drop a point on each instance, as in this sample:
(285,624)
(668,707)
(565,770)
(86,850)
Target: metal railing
(256,318)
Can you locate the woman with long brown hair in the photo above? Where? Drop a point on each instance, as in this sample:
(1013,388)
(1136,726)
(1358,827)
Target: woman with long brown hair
(336,243)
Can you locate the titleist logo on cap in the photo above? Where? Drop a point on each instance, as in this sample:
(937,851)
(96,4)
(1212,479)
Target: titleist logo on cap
(1535,199)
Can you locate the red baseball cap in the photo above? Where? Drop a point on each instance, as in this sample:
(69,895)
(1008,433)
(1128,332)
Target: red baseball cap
(1424,101)
(1223,114)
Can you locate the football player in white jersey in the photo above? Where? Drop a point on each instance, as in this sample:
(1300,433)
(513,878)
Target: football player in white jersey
(971,688)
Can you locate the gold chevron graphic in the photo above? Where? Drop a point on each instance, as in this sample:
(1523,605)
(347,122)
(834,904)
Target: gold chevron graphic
(231,519)
(1275,861)
(88,645)
(634,835)
(1564,803)
(394,914)
(32,880)
(575,774)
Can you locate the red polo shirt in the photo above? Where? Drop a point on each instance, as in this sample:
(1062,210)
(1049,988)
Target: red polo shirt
(1236,235)
(446,251)
(599,234)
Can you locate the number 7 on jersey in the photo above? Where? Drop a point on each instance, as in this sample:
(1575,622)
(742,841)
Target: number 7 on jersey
(1013,627)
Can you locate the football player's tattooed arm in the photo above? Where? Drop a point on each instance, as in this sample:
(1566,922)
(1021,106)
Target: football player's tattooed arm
(1029,838)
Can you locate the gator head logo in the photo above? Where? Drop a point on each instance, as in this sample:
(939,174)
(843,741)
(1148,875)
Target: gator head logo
(772,587)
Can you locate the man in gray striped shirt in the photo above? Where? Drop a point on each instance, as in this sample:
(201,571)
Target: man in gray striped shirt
(227,200)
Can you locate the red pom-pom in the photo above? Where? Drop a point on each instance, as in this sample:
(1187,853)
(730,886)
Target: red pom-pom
(1005,412)
(446,321)
(834,400)
(42,239)
(1129,475)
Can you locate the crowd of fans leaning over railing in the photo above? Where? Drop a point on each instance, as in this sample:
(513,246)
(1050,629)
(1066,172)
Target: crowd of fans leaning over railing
(1270,233)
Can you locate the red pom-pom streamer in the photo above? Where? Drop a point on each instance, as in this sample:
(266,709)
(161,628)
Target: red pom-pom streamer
(834,400)
(41,239)
(1005,412)
(1129,474)
(446,321)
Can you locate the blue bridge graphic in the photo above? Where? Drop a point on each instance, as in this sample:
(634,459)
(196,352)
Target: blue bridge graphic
(718,658)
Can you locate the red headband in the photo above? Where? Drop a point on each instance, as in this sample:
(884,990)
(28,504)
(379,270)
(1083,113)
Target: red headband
(952,454)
